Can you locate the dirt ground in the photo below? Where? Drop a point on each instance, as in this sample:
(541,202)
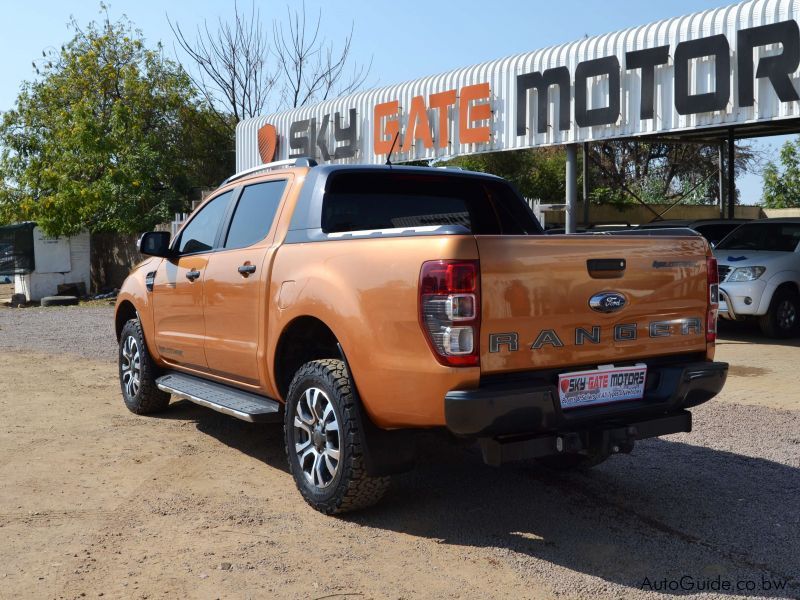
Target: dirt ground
(95,501)
(6,290)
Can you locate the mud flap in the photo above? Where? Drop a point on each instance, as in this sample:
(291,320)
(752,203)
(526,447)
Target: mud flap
(386,452)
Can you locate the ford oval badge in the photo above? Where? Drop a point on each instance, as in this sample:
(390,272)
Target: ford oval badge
(606,302)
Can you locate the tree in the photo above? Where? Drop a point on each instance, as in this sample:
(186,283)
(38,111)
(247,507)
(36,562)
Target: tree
(620,171)
(538,173)
(243,74)
(659,172)
(107,138)
(782,184)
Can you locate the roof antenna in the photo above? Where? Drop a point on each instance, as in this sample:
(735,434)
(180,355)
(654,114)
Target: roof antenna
(389,156)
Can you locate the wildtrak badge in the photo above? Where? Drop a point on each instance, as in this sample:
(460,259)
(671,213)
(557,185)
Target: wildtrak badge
(622,332)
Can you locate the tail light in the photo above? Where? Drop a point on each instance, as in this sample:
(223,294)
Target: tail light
(449,310)
(713,299)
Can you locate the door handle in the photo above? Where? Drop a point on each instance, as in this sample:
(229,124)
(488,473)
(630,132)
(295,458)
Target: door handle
(192,275)
(246,270)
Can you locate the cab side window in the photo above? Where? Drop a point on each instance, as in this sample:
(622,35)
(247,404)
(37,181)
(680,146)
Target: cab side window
(254,214)
(201,232)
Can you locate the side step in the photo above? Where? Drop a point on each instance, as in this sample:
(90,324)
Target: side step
(222,398)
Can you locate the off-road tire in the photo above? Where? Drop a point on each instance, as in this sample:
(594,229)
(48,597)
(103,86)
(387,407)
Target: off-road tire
(351,488)
(777,323)
(573,462)
(147,398)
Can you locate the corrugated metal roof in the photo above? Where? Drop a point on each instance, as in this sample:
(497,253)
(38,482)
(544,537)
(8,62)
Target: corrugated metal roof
(502,77)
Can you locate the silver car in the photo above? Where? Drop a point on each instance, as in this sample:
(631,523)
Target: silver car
(759,273)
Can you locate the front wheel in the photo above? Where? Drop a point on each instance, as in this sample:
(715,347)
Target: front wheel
(783,318)
(324,440)
(137,372)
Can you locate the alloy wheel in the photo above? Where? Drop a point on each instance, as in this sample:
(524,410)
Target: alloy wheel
(787,315)
(131,366)
(316,437)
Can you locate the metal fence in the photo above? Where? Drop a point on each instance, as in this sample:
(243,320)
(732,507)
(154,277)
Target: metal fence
(16,249)
(175,224)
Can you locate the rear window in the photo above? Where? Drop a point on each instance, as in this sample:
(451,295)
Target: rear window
(358,201)
(777,237)
(715,233)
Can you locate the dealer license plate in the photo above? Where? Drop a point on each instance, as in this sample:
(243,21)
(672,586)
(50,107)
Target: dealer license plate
(603,385)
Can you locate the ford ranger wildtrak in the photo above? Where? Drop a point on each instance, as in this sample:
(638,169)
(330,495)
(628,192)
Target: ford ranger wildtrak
(364,304)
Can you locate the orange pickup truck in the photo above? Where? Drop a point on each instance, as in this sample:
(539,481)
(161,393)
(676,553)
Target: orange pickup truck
(362,305)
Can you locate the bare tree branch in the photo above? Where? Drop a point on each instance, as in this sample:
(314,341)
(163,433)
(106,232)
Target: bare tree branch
(312,68)
(231,64)
(242,73)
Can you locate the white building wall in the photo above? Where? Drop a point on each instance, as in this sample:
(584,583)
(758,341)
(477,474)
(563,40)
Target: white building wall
(38,284)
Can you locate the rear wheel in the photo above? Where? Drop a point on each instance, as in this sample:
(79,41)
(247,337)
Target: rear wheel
(137,372)
(783,318)
(324,440)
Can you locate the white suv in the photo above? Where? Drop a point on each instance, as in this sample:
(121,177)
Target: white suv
(759,275)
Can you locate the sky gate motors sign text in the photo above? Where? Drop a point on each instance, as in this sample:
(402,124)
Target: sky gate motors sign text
(307,138)
(778,69)
(729,67)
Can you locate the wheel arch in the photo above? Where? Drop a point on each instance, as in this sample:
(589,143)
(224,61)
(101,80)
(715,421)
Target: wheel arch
(302,340)
(780,281)
(792,285)
(124,313)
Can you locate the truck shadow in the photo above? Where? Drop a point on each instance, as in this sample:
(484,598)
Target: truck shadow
(262,441)
(748,332)
(667,511)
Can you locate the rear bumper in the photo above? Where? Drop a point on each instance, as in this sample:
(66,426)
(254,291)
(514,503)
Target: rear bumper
(605,441)
(532,407)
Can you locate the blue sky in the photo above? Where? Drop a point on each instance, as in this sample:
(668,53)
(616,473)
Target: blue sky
(404,40)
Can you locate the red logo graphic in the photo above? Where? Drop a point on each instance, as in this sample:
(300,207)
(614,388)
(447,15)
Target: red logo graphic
(564,385)
(267,142)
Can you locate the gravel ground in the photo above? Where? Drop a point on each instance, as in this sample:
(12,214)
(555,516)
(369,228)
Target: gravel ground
(195,504)
(86,331)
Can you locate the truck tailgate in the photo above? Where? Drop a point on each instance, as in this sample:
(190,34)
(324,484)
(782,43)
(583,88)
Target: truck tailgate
(536,293)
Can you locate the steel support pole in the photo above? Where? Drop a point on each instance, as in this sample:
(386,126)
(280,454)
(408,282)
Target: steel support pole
(731,174)
(585,184)
(721,174)
(572,187)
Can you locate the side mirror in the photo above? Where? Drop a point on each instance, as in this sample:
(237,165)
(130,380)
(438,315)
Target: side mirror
(155,243)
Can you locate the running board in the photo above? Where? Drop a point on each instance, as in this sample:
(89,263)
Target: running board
(222,398)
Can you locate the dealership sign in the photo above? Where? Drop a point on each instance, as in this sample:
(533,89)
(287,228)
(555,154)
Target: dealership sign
(728,67)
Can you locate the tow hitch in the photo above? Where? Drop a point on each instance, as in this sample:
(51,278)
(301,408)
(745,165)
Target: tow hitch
(613,440)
